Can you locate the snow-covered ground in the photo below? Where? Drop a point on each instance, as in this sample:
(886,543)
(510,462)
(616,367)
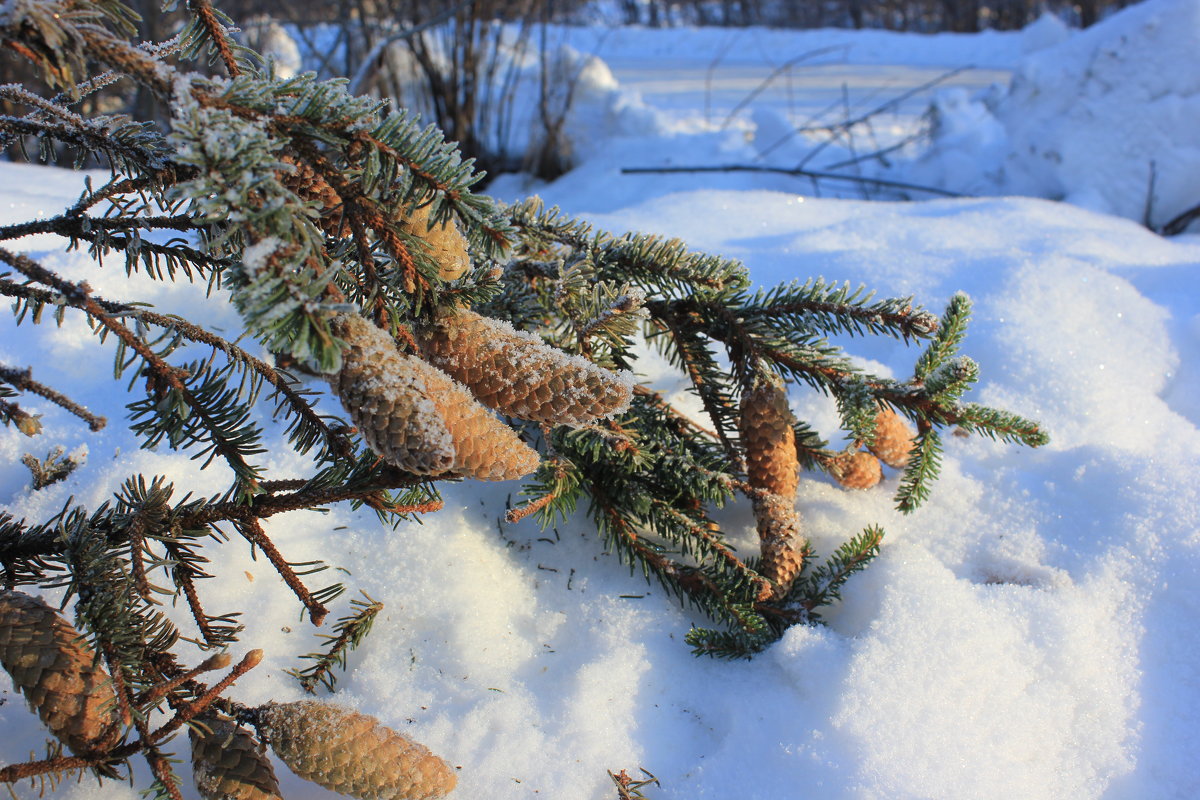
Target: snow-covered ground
(1029,633)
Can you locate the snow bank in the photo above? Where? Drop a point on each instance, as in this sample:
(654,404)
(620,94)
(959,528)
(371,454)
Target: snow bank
(1105,119)
(1029,633)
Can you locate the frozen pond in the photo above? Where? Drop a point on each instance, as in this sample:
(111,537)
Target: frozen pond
(817,92)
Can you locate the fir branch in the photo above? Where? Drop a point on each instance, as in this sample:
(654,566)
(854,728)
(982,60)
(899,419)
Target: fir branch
(823,585)
(924,464)
(832,309)
(252,531)
(23,380)
(949,336)
(216,34)
(348,634)
(75,226)
(306,428)
(1002,425)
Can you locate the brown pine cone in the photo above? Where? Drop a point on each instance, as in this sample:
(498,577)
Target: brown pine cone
(769,439)
(352,753)
(416,417)
(893,439)
(310,185)
(384,393)
(58,673)
(518,374)
(229,764)
(771,466)
(446,245)
(484,447)
(781,542)
(857,470)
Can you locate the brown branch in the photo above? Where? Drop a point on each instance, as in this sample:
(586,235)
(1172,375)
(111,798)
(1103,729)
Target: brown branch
(204,12)
(183,578)
(156,693)
(252,531)
(190,710)
(23,380)
(338,443)
(137,539)
(79,294)
(514,515)
(47,540)
(797,171)
(65,225)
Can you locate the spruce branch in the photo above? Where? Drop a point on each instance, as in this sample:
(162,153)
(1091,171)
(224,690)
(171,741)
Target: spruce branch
(922,470)
(822,585)
(307,427)
(949,336)
(252,531)
(23,380)
(348,633)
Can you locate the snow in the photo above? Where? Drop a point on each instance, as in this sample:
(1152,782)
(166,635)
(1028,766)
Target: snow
(1103,119)
(1030,632)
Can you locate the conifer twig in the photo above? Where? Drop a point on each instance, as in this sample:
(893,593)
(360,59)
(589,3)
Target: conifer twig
(23,380)
(350,632)
(251,529)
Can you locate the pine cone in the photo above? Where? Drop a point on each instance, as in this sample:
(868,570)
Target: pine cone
(58,673)
(857,470)
(352,753)
(484,447)
(229,764)
(781,542)
(893,439)
(771,466)
(383,392)
(307,183)
(518,374)
(446,245)
(418,418)
(769,439)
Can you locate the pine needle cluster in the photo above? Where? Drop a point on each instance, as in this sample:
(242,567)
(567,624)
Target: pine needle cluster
(461,337)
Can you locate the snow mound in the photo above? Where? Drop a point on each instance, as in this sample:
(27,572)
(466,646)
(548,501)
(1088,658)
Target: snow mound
(1106,119)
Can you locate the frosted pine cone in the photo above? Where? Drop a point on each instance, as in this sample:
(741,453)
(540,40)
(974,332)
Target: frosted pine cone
(484,447)
(518,374)
(229,764)
(446,245)
(416,417)
(384,393)
(352,753)
(893,439)
(857,470)
(57,673)
(769,439)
